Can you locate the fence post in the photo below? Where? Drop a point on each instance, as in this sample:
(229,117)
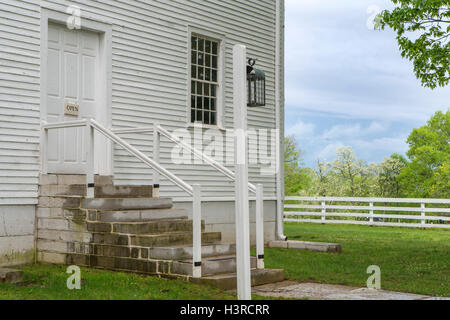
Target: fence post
(371,213)
(197,232)
(90,160)
(156,154)
(324,211)
(422,206)
(241,166)
(260,226)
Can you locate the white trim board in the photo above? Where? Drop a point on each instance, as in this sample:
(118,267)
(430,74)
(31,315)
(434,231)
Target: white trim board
(104,154)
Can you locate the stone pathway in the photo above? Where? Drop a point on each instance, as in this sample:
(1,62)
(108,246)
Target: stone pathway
(316,291)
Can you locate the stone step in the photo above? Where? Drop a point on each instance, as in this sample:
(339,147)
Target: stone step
(154,227)
(210,266)
(160,240)
(141,215)
(73,179)
(143,228)
(123,192)
(173,239)
(10,276)
(120,204)
(108,191)
(229,281)
(185,252)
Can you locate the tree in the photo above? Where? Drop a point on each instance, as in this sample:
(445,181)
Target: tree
(423,35)
(426,175)
(296,178)
(353,172)
(388,176)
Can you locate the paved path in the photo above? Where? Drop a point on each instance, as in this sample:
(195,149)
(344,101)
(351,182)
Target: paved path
(315,291)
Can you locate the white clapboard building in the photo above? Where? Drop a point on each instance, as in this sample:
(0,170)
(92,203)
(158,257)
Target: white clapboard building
(138,76)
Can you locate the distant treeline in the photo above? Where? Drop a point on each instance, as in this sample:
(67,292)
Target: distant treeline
(424,173)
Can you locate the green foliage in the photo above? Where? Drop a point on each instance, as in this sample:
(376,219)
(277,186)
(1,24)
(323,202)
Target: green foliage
(427,173)
(423,35)
(297,179)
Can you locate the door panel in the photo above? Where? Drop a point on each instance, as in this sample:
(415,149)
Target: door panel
(72,77)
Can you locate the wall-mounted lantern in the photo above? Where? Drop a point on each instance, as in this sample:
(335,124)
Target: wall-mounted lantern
(256,82)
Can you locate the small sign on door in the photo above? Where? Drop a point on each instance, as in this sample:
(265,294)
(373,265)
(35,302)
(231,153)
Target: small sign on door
(71,109)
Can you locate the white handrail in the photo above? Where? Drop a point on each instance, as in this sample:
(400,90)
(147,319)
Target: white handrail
(194,191)
(200,155)
(141,156)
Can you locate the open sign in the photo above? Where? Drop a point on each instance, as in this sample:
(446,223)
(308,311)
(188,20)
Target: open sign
(71,109)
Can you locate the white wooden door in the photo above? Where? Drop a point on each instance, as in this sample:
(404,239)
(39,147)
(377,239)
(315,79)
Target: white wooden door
(72,77)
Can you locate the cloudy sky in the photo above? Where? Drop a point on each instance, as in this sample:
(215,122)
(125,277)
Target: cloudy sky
(347,85)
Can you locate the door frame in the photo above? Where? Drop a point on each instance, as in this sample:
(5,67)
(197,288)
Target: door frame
(104,152)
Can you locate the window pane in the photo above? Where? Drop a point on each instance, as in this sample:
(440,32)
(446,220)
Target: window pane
(194,43)
(206,103)
(199,115)
(193,57)
(208,60)
(208,74)
(199,102)
(194,72)
(193,85)
(206,89)
(199,88)
(201,73)
(206,117)
(213,104)
(193,115)
(207,46)
(214,62)
(214,75)
(193,101)
(213,91)
(214,48)
(213,118)
(201,44)
(200,60)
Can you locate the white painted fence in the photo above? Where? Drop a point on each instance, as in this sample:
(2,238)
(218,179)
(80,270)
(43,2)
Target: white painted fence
(421,213)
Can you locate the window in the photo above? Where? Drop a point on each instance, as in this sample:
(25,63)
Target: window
(204,79)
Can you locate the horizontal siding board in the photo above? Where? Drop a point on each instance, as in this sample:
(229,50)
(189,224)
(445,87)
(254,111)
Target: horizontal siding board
(150,49)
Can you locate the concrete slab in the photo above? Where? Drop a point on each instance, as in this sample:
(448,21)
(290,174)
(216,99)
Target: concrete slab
(317,291)
(306,245)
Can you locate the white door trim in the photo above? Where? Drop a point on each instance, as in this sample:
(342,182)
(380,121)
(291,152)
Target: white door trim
(104,154)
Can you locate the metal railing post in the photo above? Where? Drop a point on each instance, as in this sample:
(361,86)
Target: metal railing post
(156,154)
(260,226)
(422,206)
(44,151)
(324,211)
(90,160)
(197,232)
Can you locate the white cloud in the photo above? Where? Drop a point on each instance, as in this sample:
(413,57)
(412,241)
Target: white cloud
(329,152)
(301,130)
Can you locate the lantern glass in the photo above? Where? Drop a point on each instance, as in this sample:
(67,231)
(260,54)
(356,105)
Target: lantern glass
(256,88)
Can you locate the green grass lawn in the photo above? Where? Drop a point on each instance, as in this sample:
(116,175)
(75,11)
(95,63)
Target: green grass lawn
(44,282)
(411,260)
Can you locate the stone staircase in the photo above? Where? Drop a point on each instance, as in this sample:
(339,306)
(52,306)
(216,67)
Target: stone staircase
(125,229)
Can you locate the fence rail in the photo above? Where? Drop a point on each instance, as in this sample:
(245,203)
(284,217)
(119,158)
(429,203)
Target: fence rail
(420,213)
